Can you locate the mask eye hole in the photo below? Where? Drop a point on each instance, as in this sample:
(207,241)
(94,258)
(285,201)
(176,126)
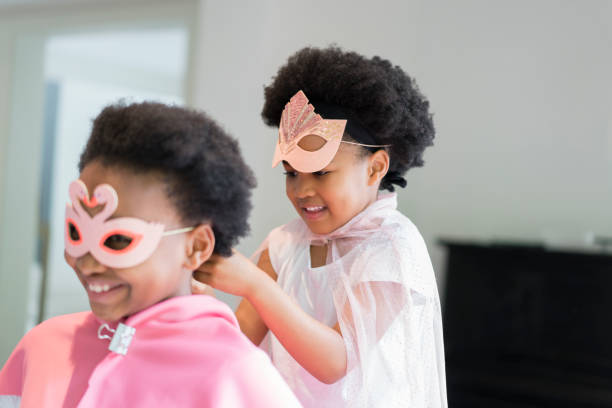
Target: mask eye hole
(311,143)
(73,232)
(118,242)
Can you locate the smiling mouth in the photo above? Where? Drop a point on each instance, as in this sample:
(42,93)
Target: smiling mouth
(313,209)
(94,288)
(98,288)
(313,212)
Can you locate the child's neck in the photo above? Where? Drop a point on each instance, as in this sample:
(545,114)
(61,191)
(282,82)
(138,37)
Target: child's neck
(318,255)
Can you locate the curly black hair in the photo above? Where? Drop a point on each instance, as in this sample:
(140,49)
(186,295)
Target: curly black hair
(384,99)
(201,166)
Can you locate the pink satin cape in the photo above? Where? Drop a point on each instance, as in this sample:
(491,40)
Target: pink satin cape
(187,351)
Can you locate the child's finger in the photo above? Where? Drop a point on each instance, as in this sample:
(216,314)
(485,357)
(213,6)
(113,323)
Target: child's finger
(206,267)
(210,264)
(202,277)
(199,288)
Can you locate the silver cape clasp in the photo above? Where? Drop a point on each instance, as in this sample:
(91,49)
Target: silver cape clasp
(121,339)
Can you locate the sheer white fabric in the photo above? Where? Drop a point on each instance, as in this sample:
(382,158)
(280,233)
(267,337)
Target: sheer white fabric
(379,285)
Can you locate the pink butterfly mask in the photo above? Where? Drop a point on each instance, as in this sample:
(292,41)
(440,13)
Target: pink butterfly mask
(299,120)
(117,243)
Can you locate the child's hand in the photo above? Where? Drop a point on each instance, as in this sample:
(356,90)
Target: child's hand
(235,274)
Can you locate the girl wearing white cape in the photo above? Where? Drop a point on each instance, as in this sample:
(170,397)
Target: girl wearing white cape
(344,298)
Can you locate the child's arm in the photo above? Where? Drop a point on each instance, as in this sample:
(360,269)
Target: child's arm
(251,324)
(316,347)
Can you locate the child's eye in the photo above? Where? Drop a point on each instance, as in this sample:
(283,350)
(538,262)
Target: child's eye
(74,233)
(117,242)
(289,173)
(320,173)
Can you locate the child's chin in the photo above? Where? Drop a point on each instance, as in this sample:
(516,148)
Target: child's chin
(317,229)
(108,314)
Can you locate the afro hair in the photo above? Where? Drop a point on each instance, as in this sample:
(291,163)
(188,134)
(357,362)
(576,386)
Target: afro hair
(385,100)
(201,166)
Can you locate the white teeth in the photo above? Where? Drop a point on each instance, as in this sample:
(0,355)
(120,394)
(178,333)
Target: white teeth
(313,209)
(98,288)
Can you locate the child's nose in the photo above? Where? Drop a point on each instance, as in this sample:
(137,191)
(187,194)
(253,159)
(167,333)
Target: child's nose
(89,265)
(304,188)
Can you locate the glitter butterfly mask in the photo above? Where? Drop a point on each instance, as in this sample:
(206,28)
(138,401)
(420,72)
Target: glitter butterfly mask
(299,120)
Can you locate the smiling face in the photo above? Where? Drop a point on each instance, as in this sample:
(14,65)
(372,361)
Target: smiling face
(115,293)
(329,198)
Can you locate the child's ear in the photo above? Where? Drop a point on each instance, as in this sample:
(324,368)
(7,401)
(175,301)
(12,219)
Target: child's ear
(378,165)
(199,246)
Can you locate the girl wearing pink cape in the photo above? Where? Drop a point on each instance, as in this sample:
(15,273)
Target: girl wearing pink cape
(161,190)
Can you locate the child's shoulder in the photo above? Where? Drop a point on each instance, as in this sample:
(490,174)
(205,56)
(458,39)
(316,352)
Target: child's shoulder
(185,318)
(286,235)
(295,228)
(59,326)
(196,328)
(391,233)
(179,309)
(397,252)
(51,342)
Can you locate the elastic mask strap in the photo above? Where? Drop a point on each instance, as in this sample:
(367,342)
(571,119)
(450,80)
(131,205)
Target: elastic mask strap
(365,145)
(177,231)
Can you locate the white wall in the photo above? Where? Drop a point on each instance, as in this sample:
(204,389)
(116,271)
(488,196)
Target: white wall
(23,32)
(20,186)
(520,91)
(93,70)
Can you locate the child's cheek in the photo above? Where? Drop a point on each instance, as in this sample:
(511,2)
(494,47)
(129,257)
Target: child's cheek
(71,261)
